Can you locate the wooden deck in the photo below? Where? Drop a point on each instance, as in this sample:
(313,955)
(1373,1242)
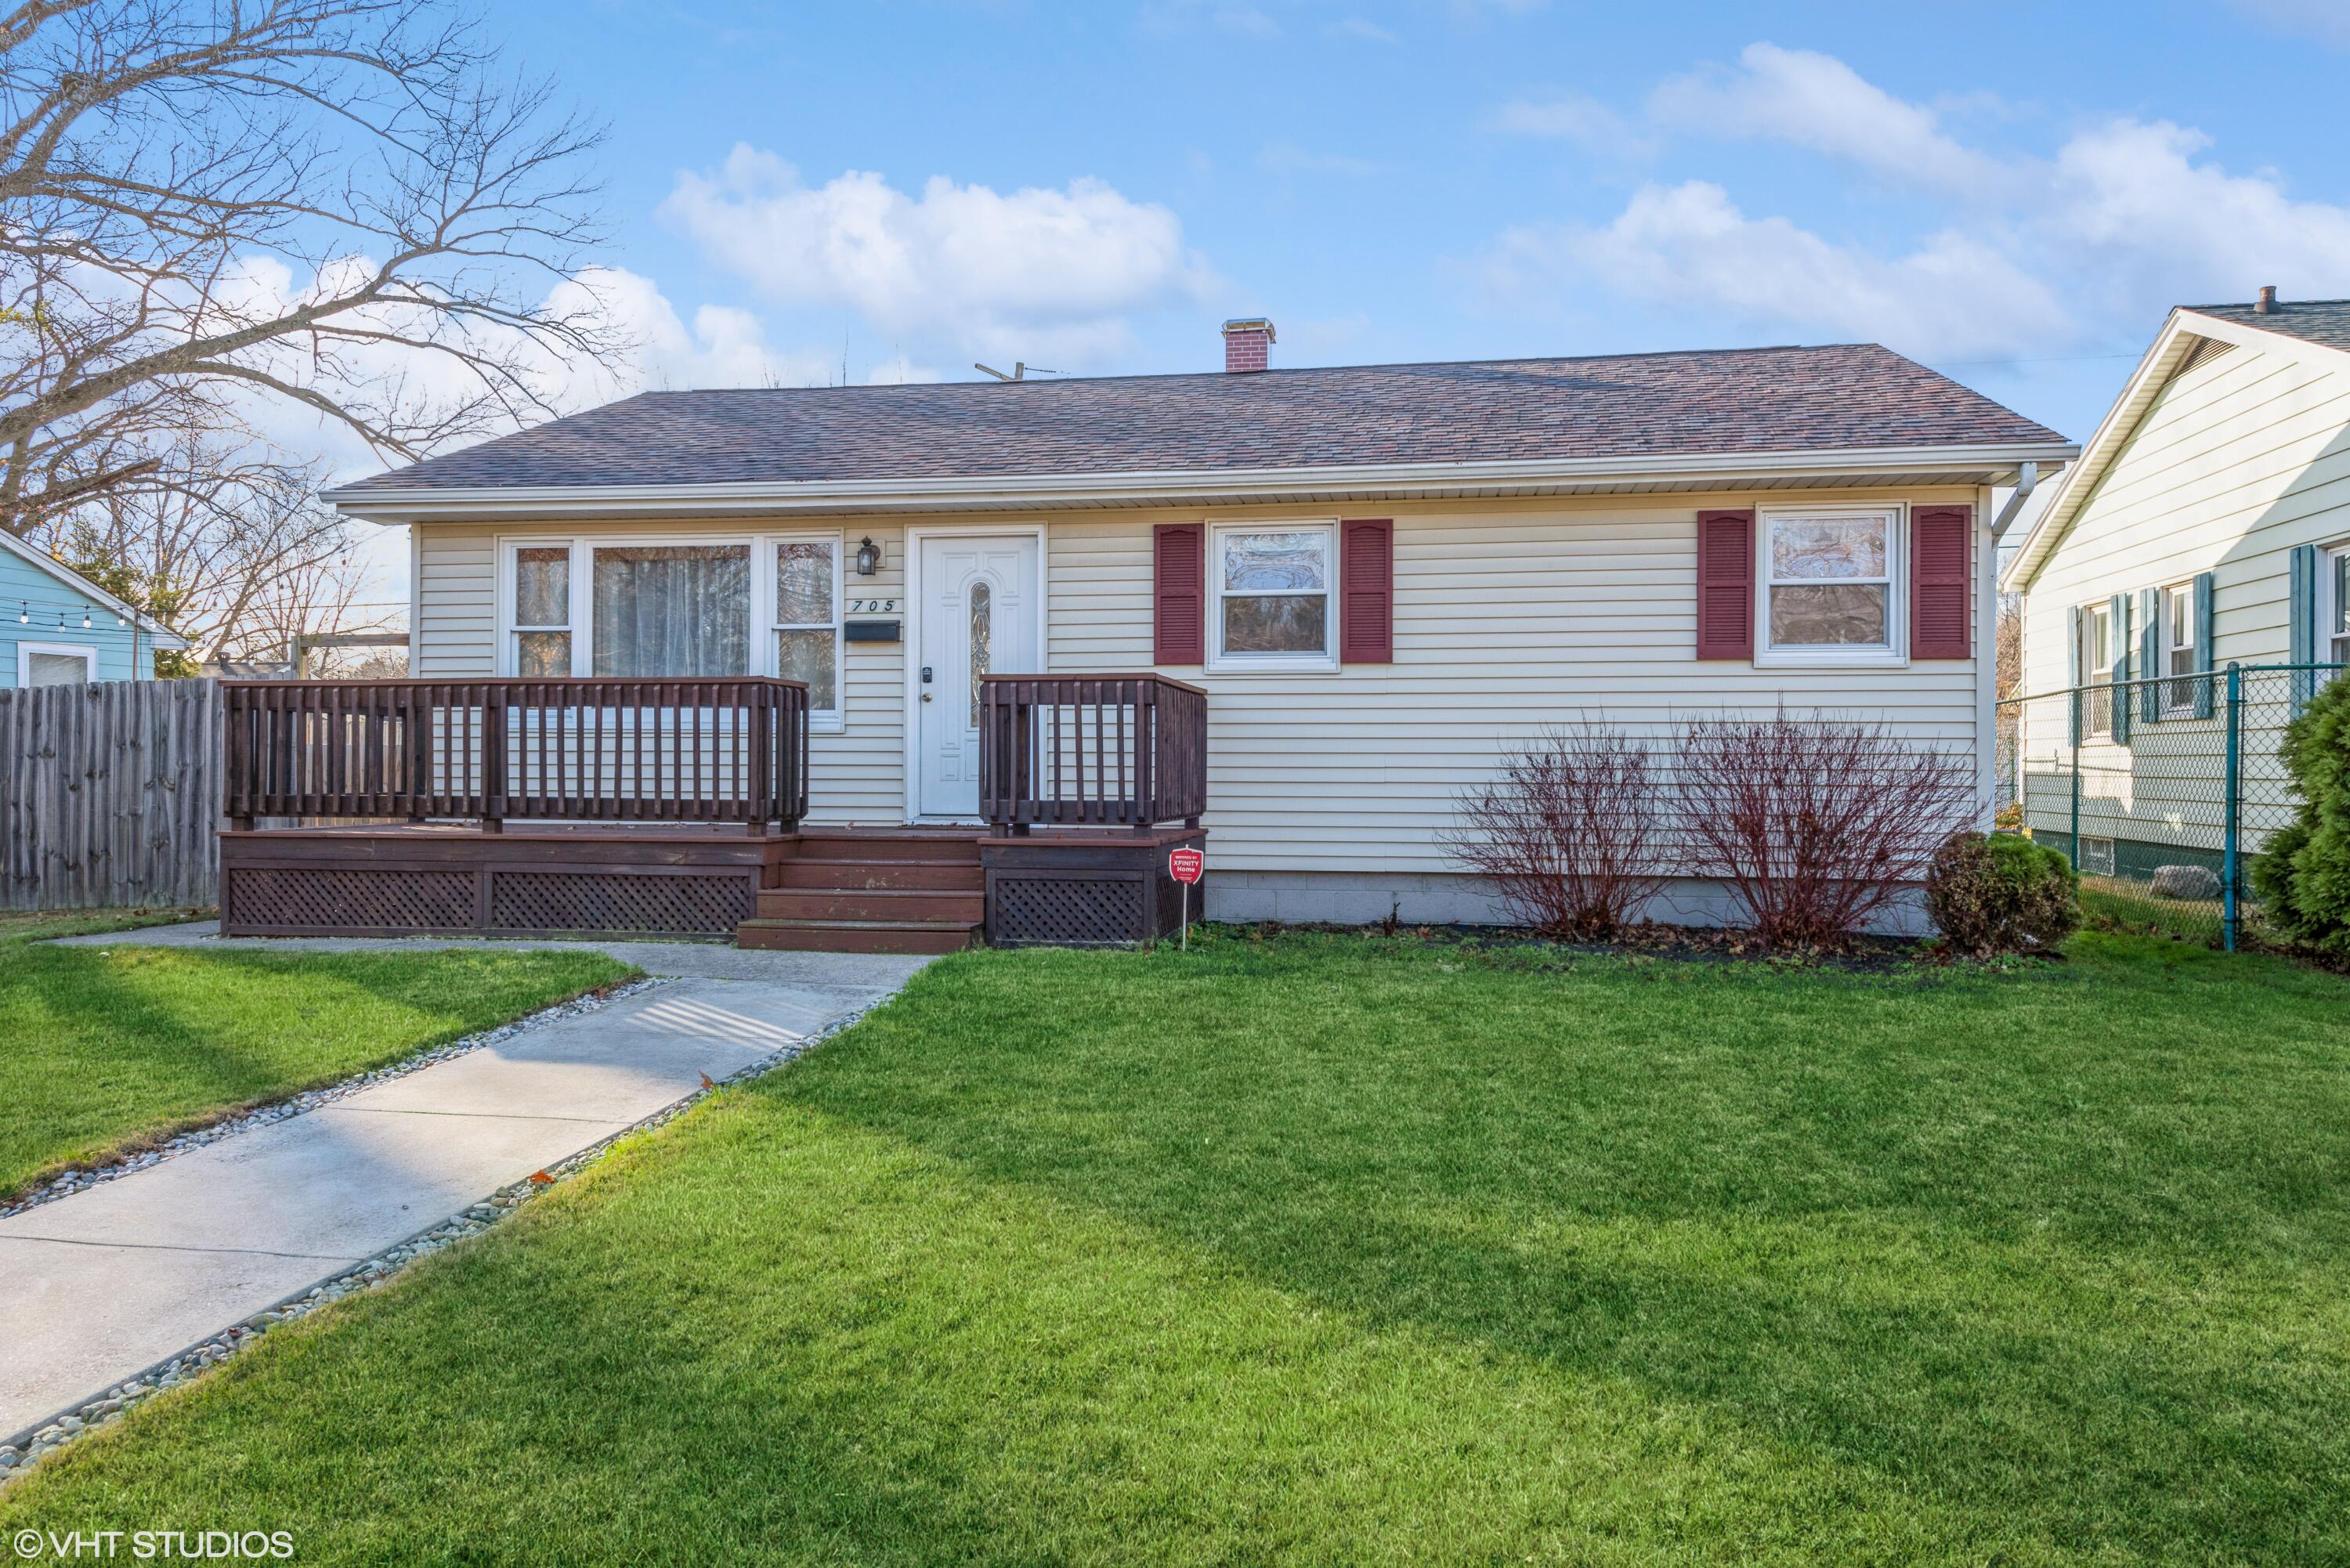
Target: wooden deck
(675,808)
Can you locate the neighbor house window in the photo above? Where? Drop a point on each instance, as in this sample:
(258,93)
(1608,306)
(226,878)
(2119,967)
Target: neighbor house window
(807,619)
(56,664)
(671,609)
(1828,581)
(2097,651)
(2336,621)
(1271,604)
(2179,648)
(542,609)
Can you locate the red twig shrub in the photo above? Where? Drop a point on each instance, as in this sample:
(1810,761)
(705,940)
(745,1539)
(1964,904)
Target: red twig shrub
(1569,835)
(1815,823)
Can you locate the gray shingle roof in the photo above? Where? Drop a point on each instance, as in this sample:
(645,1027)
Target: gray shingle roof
(2324,321)
(1644,405)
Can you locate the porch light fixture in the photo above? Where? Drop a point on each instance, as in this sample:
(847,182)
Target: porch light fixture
(869,557)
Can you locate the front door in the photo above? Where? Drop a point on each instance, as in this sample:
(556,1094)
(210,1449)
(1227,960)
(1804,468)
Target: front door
(977,614)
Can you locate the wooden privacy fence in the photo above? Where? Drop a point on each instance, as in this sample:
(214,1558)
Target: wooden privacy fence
(690,749)
(109,794)
(1091,751)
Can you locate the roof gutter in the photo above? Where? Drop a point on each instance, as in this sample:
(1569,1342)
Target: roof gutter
(391,505)
(2027,474)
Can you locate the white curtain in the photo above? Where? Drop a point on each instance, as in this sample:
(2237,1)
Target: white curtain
(673,609)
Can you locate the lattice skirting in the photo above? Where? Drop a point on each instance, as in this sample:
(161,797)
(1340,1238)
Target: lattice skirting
(1064,910)
(339,900)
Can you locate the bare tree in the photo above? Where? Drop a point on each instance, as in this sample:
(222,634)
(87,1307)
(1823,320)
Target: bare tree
(211,215)
(234,551)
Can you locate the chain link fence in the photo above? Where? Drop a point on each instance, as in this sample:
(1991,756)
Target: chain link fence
(2160,791)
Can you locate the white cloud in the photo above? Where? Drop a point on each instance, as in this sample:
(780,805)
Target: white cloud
(1288,159)
(1362,29)
(1038,273)
(2090,244)
(2323,19)
(1816,101)
(1572,118)
(1688,245)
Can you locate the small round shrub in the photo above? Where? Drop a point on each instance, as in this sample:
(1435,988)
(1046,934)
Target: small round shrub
(2002,894)
(2302,876)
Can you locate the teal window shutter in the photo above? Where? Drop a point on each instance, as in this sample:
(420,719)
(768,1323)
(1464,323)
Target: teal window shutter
(2203,666)
(2301,623)
(2150,662)
(2118,694)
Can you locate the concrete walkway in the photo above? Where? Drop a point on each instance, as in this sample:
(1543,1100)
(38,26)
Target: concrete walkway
(99,1286)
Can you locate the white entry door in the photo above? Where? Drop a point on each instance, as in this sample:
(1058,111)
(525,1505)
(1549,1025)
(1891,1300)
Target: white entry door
(977,614)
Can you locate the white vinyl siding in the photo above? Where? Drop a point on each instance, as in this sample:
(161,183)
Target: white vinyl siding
(1510,617)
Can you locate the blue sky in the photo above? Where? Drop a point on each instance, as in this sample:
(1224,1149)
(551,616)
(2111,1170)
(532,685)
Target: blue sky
(2012,193)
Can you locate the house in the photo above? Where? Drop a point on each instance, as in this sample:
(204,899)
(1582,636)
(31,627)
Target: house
(60,629)
(2207,524)
(1331,596)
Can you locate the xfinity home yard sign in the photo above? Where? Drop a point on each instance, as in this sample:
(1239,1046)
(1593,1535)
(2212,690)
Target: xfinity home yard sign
(1185,865)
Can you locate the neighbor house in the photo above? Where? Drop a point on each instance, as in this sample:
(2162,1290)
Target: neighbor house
(60,629)
(1344,594)
(2206,524)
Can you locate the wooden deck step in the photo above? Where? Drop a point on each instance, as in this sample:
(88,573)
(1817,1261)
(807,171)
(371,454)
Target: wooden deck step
(966,906)
(944,846)
(855,935)
(927,875)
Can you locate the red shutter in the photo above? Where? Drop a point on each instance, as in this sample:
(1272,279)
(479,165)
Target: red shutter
(1942,555)
(1366,591)
(1178,558)
(1725,585)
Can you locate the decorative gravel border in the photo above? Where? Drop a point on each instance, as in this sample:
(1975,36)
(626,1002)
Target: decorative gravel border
(18,1456)
(74,1181)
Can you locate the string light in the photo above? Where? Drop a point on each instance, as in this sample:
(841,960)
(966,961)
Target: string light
(24,614)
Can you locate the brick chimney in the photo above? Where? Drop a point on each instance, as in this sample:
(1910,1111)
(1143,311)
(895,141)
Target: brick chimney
(1248,343)
(2265,306)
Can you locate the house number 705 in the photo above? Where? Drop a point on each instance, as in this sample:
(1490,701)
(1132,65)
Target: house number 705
(872,607)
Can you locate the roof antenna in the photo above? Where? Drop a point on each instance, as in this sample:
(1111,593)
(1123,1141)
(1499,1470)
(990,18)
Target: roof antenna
(1019,370)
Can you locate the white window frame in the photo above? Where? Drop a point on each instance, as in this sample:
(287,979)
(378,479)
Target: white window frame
(768,557)
(2097,716)
(2329,608)
(85,653)
(761,630)
(1272,663)
(509,629)
(2177,685)
(1895,650)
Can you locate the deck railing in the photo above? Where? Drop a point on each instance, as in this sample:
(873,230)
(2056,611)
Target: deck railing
(694,750)
(1091,751)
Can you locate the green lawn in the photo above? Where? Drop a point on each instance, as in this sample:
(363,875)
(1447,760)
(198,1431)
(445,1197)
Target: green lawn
(1328,1249)
(106,1049)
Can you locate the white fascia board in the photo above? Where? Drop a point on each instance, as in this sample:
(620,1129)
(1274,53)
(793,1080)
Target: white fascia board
(396,506)
(2162,358)
(165,638)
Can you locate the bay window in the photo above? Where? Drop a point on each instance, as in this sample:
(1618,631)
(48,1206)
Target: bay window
(640,609)
(1829,583)
(1270,604)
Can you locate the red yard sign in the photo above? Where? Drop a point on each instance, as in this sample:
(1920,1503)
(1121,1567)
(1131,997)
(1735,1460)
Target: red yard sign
(1185,865)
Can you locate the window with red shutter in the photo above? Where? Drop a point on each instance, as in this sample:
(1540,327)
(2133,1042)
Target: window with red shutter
(1941,561)
(1366,591)
(1725,585)
(1179,552)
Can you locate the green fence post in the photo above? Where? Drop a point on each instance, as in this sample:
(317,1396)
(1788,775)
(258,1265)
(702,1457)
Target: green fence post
(2230,868)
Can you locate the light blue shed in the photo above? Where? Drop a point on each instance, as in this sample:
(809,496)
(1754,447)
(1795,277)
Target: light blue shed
(58,628)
